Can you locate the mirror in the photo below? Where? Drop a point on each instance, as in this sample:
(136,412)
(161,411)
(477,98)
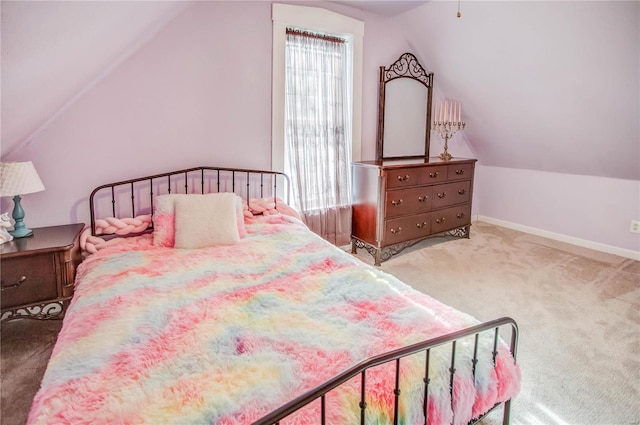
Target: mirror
(404,110)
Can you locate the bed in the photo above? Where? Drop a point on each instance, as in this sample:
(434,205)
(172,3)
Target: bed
(274,326)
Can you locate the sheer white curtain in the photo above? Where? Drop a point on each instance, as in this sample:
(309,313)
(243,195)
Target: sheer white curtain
(317,132)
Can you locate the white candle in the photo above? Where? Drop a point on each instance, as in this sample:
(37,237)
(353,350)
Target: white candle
(446,110)
(460,112)
(435,112)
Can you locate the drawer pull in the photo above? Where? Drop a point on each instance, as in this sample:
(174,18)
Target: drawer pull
(421,225)
(459,172)
(462,192)
(396,203)
(22,280)
(403,178)
(396,231)
(440,220)
(434,174)
(460,215)
(442,195)
(422,198)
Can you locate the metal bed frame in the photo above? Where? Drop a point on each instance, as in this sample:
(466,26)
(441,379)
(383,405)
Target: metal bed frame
(255,183)
(395,356)
(202,179)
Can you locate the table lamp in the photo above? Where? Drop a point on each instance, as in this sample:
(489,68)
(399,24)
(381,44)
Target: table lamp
(19,178)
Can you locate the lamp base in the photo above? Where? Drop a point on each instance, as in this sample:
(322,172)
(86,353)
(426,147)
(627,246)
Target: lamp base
(19,229)
(21,233)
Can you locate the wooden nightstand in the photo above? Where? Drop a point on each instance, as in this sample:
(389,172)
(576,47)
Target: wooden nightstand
(38,272)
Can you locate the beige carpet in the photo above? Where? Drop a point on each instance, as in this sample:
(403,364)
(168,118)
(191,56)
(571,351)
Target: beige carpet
(578,311)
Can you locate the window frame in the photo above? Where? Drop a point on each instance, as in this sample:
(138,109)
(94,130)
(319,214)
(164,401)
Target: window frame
(324,21)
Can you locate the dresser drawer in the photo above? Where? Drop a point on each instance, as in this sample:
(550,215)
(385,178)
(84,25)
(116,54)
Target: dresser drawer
(403,177)
(28,280)
(406,177)
(431,175)
(408,201)
(451,194)
(459,171)
(450,218)
(406,228)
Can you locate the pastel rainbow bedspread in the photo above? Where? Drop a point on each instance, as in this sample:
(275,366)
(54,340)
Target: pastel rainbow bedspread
(226,334)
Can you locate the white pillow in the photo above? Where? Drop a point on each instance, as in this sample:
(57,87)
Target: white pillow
(206,220)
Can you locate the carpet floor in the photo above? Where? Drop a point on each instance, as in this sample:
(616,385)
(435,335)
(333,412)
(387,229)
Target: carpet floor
(578,312)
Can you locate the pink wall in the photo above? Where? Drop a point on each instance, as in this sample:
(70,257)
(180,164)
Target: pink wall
(190,96)
(589,208)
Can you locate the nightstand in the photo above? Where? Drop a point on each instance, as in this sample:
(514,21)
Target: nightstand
(38,272)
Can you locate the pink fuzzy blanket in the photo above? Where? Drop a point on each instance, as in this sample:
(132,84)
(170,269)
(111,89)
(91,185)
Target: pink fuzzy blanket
(226,334)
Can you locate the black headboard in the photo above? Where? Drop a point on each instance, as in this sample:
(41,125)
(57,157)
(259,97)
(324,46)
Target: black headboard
(129,198)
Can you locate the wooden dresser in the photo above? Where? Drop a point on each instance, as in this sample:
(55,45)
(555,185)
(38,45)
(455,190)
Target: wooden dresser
(397,203)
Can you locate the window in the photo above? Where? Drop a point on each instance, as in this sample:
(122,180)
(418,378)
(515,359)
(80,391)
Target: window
(317,87)
(317,119)
(322,21)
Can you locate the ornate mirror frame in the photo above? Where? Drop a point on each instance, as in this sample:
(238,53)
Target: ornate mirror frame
(407,66)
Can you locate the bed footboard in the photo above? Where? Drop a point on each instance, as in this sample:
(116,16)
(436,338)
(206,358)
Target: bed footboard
(395,356)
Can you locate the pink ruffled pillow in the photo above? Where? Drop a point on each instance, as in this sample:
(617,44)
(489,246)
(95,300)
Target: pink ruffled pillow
(164,218)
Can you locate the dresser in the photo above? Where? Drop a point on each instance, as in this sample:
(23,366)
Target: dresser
(397,203)
(38,272)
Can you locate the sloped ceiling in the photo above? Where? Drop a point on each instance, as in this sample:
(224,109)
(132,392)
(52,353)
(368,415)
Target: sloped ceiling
(384,8)
(53,51)
(545,85)
(552,86)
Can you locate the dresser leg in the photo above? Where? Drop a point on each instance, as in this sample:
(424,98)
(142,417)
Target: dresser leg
(376,258)
(354,246)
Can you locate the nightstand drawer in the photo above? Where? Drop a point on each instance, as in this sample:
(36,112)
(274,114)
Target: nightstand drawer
(28,280)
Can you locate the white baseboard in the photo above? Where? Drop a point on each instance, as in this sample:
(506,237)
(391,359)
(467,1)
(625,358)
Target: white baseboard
(623,252)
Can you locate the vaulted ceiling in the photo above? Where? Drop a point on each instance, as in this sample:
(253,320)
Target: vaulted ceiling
(546,85)
(384,8)
(552,86)
(53,51)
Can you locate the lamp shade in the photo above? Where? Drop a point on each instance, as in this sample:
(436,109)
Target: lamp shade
(19,178)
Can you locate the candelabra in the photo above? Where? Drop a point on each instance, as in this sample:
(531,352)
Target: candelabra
(446,130)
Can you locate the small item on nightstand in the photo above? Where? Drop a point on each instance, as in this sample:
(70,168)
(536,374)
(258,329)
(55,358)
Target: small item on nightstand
(5,223)
(19,178)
